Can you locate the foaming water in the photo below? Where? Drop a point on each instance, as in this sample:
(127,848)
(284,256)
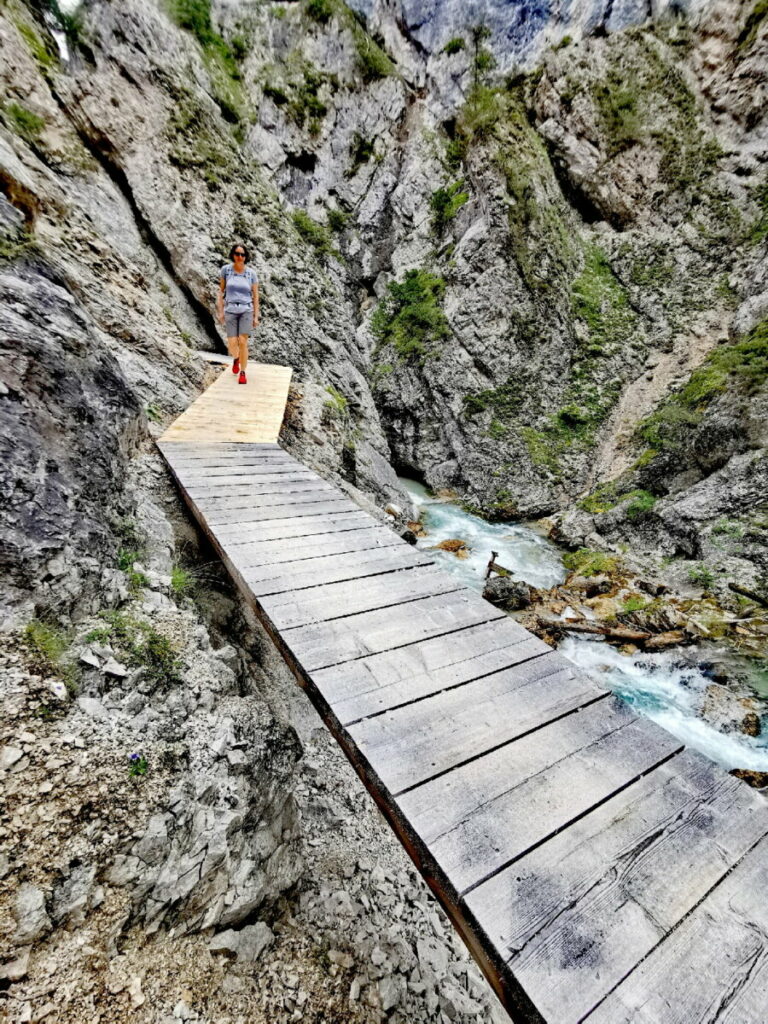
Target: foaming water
(532,558)
(657,685)
(669,693)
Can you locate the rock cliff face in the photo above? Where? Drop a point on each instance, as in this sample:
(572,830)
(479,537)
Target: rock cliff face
(519,251)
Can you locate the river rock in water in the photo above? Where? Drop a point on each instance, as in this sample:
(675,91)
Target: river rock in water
(507,593)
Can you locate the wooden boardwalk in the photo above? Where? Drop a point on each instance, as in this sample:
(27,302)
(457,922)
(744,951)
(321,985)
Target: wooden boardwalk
(596,869)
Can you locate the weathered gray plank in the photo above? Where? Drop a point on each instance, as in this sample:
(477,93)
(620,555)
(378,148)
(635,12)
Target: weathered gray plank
(304,573)
(338,600)
(480,816)
(576,914)
(296,483)
(406,674)
(292,526)
(229,463)
(272,552)
(328,643)
(418,741)
(238,474)
(299,493)
(227,515)
(206,485)
(713,969)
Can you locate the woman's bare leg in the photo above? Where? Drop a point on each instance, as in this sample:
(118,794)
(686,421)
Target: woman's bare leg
(243,349)
(233,346)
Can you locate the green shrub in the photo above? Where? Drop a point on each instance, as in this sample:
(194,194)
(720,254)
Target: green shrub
(602,499)
(372,62)
(445,203)
(587,562)
(742,365)
(728,528)
(43,55)
(275,93)
(320,10)
(48,646)
(195,17)
(454,45)
(183,582)
(141,646)
(616,102)
(755,19)
(634,604)
(28,125)
(640,503)
(360,150)
(337,220)
(336,404)
(317,235)
(701,576)
(410,316)
(305,106)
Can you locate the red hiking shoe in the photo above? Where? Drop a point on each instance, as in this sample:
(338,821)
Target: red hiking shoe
(236,366)
(241,379)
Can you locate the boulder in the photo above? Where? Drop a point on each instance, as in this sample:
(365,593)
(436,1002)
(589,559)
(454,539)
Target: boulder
(245,945)
(507,593)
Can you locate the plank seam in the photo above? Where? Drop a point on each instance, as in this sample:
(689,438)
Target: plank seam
(346,579)
(447,689)
(366,611)
(309,558)
(571,821)
(673,929)
(397,647)
(301,536)
(506,743)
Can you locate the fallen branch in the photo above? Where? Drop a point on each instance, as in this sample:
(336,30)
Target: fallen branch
(748,593)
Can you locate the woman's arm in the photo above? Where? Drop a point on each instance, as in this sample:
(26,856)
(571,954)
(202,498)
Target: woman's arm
(255,292)
(220,300)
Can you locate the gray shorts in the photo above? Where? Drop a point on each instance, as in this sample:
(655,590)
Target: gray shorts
(236,324)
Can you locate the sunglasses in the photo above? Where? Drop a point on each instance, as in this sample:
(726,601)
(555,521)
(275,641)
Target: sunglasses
(239,252)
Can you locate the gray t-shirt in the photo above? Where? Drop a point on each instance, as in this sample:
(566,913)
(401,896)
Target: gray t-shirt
(238,296)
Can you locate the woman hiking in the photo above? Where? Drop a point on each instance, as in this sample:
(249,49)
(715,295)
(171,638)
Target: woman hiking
(237,305)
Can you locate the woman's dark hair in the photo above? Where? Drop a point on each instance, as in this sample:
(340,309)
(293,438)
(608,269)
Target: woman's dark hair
(239,245)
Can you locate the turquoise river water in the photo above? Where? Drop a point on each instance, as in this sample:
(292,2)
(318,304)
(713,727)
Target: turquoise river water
(666,686)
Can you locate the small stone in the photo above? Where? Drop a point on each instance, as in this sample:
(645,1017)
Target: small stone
(89,658)
(16,969)
(343,960)
(93,708)
(390,992)
(393,510)
(750,724)
(31,917)
(134,991)
(114,668)
(9,756)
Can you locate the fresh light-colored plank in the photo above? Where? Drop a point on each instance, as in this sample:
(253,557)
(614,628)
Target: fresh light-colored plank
(229,411)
